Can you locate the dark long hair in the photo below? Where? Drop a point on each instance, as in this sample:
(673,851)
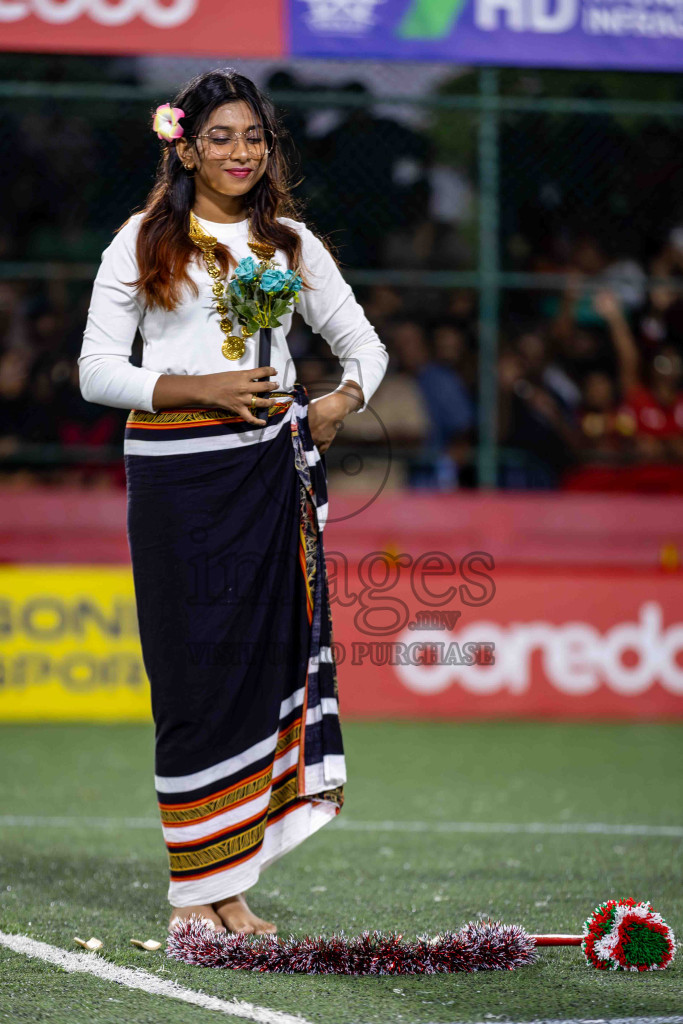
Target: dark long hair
(164,249)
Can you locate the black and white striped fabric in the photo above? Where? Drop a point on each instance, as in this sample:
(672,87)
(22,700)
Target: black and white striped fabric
(225,526)
(323,741)
(310,463)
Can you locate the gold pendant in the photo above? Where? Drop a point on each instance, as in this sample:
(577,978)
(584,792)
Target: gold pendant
(262,250)
(233,347)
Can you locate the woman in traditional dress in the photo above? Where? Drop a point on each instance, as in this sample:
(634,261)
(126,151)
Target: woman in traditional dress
(226,496)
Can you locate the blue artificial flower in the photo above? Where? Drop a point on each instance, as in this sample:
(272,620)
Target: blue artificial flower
(246,269)
(292,281)
(235,289)
(272,281)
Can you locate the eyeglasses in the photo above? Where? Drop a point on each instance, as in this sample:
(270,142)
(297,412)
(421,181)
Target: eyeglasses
(259,141)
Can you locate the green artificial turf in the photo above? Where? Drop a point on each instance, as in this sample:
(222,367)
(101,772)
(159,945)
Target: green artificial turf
(64,878)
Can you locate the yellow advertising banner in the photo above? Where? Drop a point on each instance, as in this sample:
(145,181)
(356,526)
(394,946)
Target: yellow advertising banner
(69,645)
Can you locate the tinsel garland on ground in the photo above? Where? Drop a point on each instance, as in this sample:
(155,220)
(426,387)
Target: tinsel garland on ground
(623,935)
(479,946)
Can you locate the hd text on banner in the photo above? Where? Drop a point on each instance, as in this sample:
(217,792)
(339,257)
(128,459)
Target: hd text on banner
(628,34)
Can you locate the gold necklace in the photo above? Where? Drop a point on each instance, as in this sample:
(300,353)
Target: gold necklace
(233,345)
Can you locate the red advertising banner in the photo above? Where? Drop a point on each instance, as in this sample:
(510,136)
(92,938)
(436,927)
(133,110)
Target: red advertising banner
(541,643)
(565,606)
(220,28)
(546,528)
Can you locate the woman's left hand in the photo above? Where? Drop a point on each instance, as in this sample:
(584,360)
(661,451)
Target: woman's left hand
(325,415)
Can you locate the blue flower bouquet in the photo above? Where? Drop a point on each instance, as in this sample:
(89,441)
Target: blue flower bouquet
(260,293)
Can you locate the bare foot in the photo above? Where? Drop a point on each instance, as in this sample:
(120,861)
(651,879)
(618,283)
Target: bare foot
(205,911)
(237,917)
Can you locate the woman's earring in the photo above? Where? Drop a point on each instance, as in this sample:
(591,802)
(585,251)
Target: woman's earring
(190,168)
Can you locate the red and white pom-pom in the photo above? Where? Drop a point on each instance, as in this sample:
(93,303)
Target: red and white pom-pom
(622,935)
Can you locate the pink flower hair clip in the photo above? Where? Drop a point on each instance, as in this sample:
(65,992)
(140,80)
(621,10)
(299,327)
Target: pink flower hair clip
(167,122)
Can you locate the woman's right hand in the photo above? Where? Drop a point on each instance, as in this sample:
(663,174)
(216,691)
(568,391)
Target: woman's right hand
(232,390)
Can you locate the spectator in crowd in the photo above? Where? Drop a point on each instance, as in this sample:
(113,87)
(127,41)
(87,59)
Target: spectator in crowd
(381,304)
(533,419)
(652,401)
(446,399)
(539,368)
(453,349)
(660,321)
(579,339)
(14,400)
(603,430)
(398,406)
(461,310)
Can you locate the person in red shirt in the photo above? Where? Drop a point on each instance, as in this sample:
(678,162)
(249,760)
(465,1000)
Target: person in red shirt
(605,428)
(652,405)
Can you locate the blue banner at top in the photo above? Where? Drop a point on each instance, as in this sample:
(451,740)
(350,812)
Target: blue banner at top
(644,35)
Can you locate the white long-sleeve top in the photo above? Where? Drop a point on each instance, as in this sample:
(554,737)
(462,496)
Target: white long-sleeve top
(189,339)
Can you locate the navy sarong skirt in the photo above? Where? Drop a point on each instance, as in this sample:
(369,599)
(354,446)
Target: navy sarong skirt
(225,532)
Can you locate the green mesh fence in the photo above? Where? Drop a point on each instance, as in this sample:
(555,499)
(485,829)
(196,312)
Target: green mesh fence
(474,195)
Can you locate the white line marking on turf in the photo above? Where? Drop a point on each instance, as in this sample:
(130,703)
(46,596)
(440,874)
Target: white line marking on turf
(38,821)
(601,1020)
(530,828)
(594,1020)
(597,828)
(90,963)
